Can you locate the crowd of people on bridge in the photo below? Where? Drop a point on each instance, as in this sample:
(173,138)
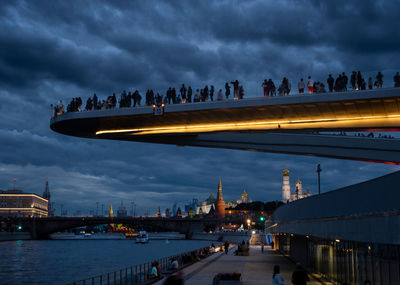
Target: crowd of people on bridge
(209,94)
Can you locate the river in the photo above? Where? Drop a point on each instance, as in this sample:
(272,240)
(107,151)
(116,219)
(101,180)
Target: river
(63,261)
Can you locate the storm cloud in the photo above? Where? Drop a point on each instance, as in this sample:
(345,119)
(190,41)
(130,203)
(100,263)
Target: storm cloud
(52,50)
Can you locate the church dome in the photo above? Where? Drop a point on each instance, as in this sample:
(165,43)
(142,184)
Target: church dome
(286,172)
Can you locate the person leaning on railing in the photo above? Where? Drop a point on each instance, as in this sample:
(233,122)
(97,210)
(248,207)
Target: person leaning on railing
(396,80)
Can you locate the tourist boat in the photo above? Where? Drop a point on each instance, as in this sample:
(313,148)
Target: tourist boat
(86,235)
(142,237)
(131,235)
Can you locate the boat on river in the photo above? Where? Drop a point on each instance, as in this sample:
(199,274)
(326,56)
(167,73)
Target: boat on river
(142,237)
(131,235)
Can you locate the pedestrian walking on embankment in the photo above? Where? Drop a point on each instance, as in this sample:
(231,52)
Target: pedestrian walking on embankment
(262,247)
(276,276)
(226,247)
(299,277)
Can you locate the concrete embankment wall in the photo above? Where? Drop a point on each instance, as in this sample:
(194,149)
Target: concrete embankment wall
(166,235)
(233,237)
(4,236)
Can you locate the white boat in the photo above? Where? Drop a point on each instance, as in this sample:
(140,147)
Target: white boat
(86,235)
(142,237)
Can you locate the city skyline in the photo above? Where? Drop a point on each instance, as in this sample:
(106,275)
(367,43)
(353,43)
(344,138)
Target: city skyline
(68,53)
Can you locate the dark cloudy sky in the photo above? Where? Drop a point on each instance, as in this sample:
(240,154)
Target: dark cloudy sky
(51,50)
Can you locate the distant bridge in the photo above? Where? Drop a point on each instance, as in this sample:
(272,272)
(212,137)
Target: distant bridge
(41,228)
(274,124)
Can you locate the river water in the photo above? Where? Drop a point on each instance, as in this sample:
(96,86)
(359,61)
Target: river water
(63,261)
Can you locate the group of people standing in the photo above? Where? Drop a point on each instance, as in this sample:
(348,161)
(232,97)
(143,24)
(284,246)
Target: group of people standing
(185,95)
(339,84)
(299,276)
(133,99)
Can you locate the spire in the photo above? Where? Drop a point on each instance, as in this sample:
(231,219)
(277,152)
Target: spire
(220,203)
(111,211)
(158,212)
(219,193)
(46,193)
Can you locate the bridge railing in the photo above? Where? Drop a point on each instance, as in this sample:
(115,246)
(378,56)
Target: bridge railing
(141,273)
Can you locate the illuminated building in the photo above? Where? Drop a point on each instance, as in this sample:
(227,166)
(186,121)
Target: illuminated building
(285,186)
(299,194)
(158,215)
(191,213)
(244,198)
(206,205)
(122,212)
(111,211)
(15,203)
(287,196)
(220,203)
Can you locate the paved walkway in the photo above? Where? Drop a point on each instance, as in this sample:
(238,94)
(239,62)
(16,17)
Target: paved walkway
(257,268)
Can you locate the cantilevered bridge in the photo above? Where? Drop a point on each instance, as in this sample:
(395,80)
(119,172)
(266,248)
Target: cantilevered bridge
(41,228)
(274,124)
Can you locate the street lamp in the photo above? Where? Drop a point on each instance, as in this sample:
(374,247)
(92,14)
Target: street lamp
(248,223)
(319,180)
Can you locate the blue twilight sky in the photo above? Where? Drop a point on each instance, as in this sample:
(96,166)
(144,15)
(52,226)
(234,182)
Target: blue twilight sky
(51,50)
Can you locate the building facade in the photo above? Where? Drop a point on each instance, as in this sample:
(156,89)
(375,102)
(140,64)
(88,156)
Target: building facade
(16,203)
(349,235)
(205,207)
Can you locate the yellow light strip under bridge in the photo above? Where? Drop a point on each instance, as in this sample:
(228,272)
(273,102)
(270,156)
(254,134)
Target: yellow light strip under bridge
(345,122)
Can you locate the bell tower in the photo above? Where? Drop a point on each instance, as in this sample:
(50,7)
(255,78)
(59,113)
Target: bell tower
(285,186)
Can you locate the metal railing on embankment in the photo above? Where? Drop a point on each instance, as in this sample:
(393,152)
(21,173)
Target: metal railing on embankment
(140,274)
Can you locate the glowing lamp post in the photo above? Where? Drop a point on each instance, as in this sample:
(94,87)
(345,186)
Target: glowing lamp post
(248,223)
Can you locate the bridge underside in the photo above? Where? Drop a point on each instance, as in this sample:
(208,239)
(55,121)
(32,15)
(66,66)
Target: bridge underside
(278,124)
(332,146)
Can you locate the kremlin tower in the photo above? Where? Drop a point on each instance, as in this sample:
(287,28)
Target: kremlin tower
(220,204)
(111,211)
(285,186)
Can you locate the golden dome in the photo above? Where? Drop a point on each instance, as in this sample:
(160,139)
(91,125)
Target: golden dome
(299,182)
(286,172)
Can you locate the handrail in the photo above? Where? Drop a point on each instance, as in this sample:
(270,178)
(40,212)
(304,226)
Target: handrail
(139,273)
